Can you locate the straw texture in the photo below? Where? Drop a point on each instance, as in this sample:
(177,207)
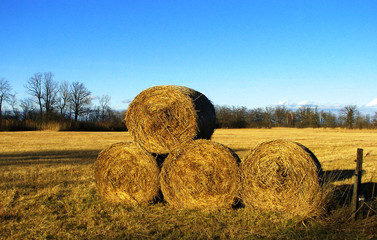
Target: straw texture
(125,173)
(162,119)
(283,176)
(204,176)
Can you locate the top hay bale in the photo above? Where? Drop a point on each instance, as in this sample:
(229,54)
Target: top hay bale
(282,176)
(162,119)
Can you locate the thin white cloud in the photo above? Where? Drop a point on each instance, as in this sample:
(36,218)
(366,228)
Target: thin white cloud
(93,98)
(370,108)
(283,103)
(305,102)
(373,103)
(127,101)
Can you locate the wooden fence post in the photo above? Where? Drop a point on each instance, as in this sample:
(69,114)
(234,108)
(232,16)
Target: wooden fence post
(357,184)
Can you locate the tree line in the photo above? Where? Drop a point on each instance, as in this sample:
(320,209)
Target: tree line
(306,116)
(56,105)
(69,106)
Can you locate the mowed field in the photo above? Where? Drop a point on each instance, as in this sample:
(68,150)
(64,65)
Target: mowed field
(47,190)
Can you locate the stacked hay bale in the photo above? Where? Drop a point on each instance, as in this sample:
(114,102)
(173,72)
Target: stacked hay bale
(171,152)
(163,119)
(179,121)
(205,175)
(126,173)
(176,122)
(282,176)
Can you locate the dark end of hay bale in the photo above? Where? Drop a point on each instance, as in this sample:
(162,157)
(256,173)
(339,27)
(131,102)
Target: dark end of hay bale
(204,176)
(283,176)
(125,173)
(162,119)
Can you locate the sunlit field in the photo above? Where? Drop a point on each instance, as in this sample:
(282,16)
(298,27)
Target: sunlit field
(335,148)
(47,190)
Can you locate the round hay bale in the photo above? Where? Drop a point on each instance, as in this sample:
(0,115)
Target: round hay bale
(282,176)
(125,173)
(204,176)
(164,118)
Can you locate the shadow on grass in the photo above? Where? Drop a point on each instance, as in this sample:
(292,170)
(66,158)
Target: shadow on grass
(339,175)
(241,149)
(343,193)
(49,157)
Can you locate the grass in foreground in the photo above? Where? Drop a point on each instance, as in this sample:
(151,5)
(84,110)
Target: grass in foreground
(47,191)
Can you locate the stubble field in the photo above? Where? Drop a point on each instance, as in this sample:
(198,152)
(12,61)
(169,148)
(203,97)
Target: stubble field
(47,190)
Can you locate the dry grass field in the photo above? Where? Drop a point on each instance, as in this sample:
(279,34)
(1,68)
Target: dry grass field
(47,190)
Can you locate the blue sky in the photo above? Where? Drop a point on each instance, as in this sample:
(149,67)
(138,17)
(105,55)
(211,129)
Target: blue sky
(241,53)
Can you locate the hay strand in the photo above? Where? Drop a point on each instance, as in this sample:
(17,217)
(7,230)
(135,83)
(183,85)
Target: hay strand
(125,173)
(282,176)
(204,176)
(162,119)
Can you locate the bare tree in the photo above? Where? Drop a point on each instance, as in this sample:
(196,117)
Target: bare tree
(268,116)
(5,94)
(104,105)
(362,121)
(348,113)
(80,98)
(374,120)
(308,116)
(13,103)
(256,116)
(64,97)
(328,119)
(280,113)
(27,106)
(240,117)
(34,87)
(49,92)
